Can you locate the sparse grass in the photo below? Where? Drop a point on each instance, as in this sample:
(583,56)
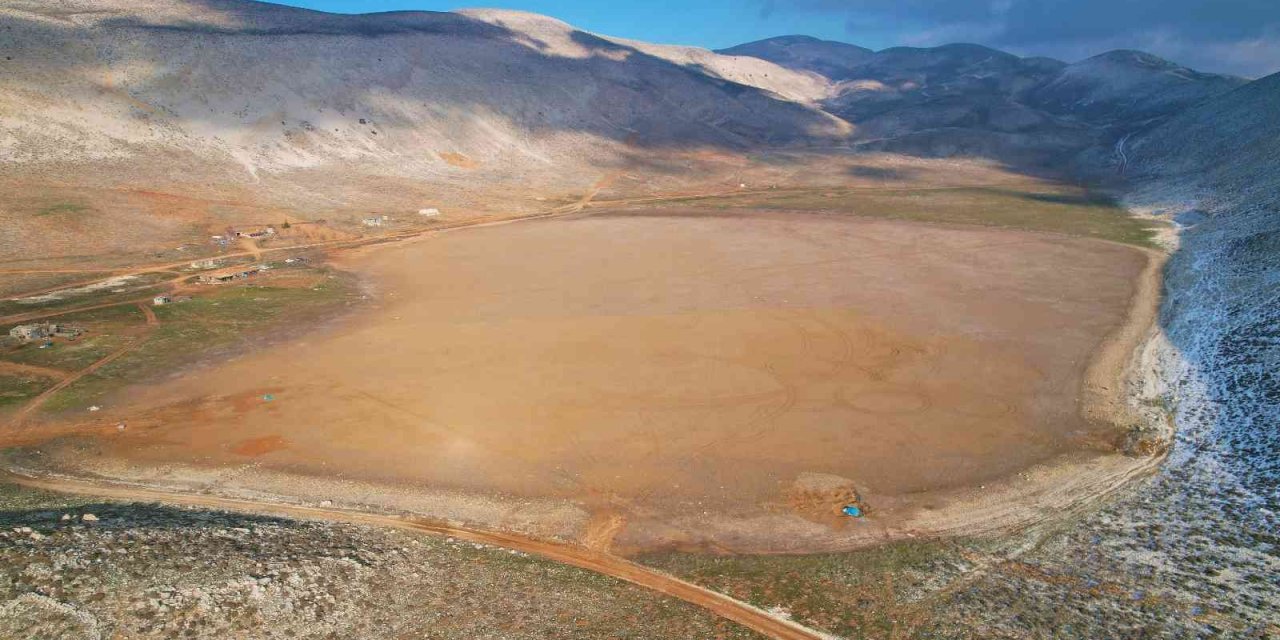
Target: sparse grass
(62,208)
(15,497)
(140,287)
(861,594)
(1069,211)
(106,330)
(67,355)
(12,284)
(226,318)
(164,572)
(18,388)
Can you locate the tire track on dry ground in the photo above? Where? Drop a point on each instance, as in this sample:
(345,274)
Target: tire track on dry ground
(68,380)
(578,556)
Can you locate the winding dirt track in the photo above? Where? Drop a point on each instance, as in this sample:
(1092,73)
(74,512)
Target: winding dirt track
(581,557)
(70,379)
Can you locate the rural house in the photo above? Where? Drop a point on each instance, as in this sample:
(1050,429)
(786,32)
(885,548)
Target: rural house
(227,276)
(42,330)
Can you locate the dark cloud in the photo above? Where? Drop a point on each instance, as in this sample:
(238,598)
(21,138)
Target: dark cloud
(1230,36)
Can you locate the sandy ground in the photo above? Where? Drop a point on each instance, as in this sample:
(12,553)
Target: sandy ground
(664,370)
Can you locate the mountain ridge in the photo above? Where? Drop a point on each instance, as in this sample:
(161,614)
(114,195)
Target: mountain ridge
(965,98)
(279,89)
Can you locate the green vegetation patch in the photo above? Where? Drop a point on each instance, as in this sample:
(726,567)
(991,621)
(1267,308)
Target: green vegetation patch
(860,594)
(138,288)
(63,208)
(1067,211)
(226,318)
(67,355)
(17,388)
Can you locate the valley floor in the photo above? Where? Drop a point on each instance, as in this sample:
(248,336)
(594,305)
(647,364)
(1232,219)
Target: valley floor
(247,425)
(693,380)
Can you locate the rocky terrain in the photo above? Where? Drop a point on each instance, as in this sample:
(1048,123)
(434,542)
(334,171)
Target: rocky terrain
(72,569)
(1195,547)
(1191,552)
(200,114)
(966,99)
(251,111)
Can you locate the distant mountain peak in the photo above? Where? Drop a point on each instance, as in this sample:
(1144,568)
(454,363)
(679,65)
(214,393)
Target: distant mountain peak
(956,47)
(796,39)
(1133,56)
(827,58)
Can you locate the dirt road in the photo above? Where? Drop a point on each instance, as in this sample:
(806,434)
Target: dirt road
(584,558)
(1121,156)
(258,252)
(50,313)
(150,315)
(70,379)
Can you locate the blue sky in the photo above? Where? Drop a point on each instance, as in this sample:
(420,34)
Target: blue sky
(1225,36)
(712,24)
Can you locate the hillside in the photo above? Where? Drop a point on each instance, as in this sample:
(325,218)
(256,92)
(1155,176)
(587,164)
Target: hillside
(1230,143)
(830,59)
(967,99)
(161,116)
(270,89)
(1213,169)
(1126,89)
(172,117)
(955,100)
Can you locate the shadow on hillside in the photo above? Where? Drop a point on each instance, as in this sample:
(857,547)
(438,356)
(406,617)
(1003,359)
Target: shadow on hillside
(114,515)
(293,62)
(1080,196)
(882,173)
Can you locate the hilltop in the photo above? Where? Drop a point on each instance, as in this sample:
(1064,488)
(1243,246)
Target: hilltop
(971,100)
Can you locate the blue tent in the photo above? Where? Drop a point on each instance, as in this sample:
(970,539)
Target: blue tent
(852,511)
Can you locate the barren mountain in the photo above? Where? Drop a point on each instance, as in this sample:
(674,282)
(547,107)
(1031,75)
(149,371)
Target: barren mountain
(274,89)
(251,111)
(1126,89)
(1231,142)
(966,99)
(834,60)
(954,100)
(255,110)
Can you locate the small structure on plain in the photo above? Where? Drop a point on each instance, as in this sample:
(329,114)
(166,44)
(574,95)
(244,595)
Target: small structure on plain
(42,330)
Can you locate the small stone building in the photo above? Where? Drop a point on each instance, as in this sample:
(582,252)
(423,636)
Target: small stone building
(43,330)
(28,332)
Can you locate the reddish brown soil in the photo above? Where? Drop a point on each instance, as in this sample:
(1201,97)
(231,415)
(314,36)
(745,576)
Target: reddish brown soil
(676,363)
(458,160)
(254,447)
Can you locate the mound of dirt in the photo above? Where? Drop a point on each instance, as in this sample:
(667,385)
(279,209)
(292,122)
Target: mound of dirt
(821,496)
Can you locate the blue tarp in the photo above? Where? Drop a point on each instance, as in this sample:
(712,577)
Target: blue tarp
(852,511)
